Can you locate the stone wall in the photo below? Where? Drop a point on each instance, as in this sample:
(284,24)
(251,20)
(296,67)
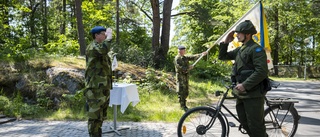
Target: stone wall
(297,71)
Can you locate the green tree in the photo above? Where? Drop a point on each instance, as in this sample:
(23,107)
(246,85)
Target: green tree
(288,23)
(204,21)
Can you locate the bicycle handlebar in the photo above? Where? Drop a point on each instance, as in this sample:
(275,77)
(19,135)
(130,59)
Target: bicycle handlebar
(274,84)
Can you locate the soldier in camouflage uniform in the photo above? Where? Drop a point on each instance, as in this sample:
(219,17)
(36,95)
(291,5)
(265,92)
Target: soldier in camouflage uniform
(250,69)
(182,68)
(98,79)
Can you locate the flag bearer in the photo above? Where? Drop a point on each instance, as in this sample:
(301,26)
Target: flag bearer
(250,69)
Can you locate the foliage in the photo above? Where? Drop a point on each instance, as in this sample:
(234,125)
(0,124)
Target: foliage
(62,47)
(42,99)
(134,47)
(212,71)
(156,81)
(17,108)
(195,27)
(71,107)
(172,53)
(77,100)
(50,27)
(4,103)
(288,25)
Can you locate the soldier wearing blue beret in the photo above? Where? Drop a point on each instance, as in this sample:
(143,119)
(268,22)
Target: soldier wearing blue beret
(97,29)
(98,79)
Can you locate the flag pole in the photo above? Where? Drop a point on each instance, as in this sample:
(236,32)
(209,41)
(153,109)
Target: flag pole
(226,32)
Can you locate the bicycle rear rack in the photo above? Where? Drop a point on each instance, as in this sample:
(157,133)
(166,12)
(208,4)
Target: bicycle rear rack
(284,103)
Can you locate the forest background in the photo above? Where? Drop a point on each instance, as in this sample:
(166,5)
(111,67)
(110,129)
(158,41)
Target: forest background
(59,29)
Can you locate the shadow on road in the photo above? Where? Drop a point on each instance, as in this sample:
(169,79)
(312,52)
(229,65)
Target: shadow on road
(309,121)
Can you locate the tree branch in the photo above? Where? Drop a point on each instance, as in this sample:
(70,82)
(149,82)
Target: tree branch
(183,13)
(140,8)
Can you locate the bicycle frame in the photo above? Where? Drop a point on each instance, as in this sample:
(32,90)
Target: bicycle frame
(276,112)
(269,105)
(221,105)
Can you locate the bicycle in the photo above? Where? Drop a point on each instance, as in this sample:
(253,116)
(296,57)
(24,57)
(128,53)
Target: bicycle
(281,118)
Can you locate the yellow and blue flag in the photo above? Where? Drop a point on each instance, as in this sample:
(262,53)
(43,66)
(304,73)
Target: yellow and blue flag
(257,16)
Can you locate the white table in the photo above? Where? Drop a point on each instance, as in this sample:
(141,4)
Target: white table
(122,94)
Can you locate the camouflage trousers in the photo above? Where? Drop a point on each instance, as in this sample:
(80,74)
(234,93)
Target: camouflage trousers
(97,101)
(183,93)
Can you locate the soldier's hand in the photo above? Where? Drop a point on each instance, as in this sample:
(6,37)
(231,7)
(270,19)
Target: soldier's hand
(229,37)
(240,88)
(204,53)
(109,34)
(190,67)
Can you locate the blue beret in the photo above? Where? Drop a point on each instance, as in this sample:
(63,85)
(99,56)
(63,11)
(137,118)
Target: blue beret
(97,29)
(181,47)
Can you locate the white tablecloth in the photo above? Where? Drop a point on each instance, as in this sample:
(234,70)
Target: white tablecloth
(122,94)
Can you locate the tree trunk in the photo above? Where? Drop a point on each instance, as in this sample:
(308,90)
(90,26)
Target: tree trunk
(32,23)
(73,24)
(81,39)
(313,59)
(63,25)
(155,32)
(276,45)
(165,35)
(45,23)
(117,25)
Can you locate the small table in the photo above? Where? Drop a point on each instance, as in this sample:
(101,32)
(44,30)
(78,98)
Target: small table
(122,94)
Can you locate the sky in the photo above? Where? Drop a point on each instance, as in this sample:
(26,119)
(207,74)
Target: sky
(174,4)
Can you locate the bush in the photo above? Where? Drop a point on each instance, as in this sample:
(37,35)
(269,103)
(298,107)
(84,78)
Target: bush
(212,71)
(4,103)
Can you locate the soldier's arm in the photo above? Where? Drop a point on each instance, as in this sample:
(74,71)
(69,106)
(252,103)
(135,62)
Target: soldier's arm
(193,57)
(225,55)
(103,48)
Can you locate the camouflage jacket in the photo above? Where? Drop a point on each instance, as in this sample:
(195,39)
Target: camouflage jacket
(181,64)
(98,65)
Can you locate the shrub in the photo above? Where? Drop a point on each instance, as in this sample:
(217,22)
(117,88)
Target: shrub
(4,103)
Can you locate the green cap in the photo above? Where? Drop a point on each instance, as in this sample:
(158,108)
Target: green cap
(246,27)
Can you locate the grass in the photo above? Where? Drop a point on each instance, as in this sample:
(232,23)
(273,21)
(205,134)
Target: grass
(292,79)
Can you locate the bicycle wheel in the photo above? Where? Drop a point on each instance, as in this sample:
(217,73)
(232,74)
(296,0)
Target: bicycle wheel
(200,121)
(280,121)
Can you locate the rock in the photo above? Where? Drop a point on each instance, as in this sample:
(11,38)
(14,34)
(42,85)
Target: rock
(66,78)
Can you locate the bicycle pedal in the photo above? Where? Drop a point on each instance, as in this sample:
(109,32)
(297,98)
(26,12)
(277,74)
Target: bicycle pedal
(231,124)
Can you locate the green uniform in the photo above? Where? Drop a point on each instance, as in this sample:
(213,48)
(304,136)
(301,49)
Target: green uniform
(181,67)
(98,82)
(250,105)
